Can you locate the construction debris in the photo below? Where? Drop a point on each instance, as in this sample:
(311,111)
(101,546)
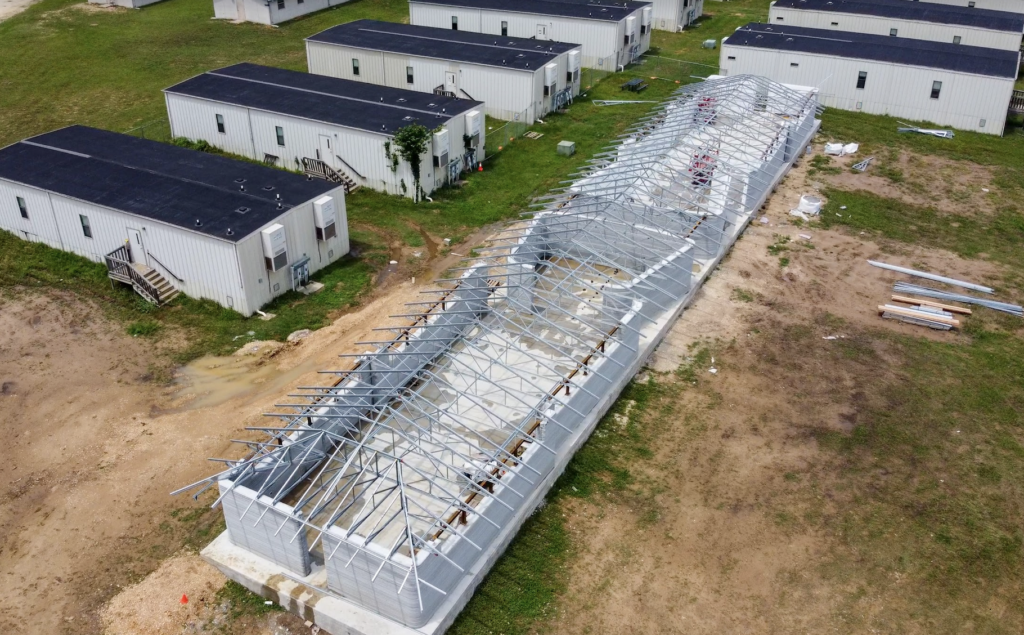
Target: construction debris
(944,134)
(928,292)
(931,276)
(863,165)
(923,316)
(619,102)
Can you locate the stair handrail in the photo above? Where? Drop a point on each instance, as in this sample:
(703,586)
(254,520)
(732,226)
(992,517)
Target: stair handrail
(351,169)
(124,268)
(165,267)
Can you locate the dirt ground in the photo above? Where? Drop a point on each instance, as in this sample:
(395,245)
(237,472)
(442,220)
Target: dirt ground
(94,447)
(722,556)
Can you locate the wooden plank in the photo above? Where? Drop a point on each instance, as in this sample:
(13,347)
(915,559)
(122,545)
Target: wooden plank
(921,315)
(937,305)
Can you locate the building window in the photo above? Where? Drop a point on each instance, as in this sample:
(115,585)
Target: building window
(981,124)
(936,89)
(220,124)
(23,208)
(971,4)
(408,74)
(956,39)
(504,28)
(794,64)
(779,18)
(280,135)
(732,57)
(892,32)
(835,24)
(355,66)
(862,78)
(455,23)
(280,4)
(86,227)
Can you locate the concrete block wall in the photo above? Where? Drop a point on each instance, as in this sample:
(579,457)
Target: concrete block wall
(265,528)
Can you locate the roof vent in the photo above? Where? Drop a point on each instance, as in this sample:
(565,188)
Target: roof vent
(279,205)
(239,180)
(789,39)
(199,223)
(241,210)
(407,118)
(278,197)
(382,100)
(230,232)
(432,105)
(241,188)
(521,55)
(268,188)
(401,100)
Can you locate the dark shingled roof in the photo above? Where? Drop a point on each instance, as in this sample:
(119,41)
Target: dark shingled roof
(593,10)
(342,102)
(922,11)
(461,46)
(157,180)
(899,50)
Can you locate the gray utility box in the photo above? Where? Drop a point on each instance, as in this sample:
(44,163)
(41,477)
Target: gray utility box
(567,148)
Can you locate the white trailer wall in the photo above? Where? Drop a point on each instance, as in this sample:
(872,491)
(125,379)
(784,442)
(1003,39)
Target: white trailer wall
(268,11)
(602,41)
(262,285)
(674,15)
(507,93)
(967,102)
(127,4)
(252,133)
(877,25)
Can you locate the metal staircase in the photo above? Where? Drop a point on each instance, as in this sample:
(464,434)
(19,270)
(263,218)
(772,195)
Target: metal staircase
(318,169)
(146,281)
(1017,102)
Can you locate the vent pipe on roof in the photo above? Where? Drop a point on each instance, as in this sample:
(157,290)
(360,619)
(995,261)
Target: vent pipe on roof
(199,223)
(230,232)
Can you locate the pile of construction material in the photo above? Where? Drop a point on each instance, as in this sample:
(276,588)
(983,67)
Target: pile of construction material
(931,313)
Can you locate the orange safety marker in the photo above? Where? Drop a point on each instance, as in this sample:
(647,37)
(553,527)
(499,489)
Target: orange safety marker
(480,167)
(184,599)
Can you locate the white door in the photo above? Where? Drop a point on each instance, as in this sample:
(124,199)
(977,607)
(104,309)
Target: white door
(449,81)
(542,31)
(325,152)
(136,246)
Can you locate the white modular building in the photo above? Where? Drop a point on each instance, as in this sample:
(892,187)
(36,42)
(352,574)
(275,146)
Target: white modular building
(900,18)
(1011,6)
(611,34)
(515,78)
(966,87)
(675,15)
(268,11)
(166,219)
(330,128)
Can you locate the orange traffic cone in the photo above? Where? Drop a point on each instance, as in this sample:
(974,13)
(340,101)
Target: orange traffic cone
(480,168)
(184,599)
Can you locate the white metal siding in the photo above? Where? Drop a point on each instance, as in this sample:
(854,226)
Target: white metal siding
(890,89)
(252,133)
(261,285)
(599,39)
(265,11)
(200,266)
(506,93)
(913,29)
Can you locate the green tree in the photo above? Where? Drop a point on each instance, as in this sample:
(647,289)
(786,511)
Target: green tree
(412,142)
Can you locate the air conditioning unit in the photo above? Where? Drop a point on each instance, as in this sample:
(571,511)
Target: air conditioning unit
(275,247)
(441,148)
(630,28)
(474,123)
(550,79)
(325,218)
(645,20)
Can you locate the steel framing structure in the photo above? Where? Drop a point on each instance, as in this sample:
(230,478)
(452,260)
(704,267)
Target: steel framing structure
(385,486)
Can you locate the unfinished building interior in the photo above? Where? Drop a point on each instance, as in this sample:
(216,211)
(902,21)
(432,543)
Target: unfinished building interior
(378,502)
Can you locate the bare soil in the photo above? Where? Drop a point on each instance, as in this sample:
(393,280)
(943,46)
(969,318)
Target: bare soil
(711,538)
(951,187)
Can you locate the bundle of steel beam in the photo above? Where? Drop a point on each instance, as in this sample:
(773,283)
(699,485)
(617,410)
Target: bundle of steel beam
(929,292)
